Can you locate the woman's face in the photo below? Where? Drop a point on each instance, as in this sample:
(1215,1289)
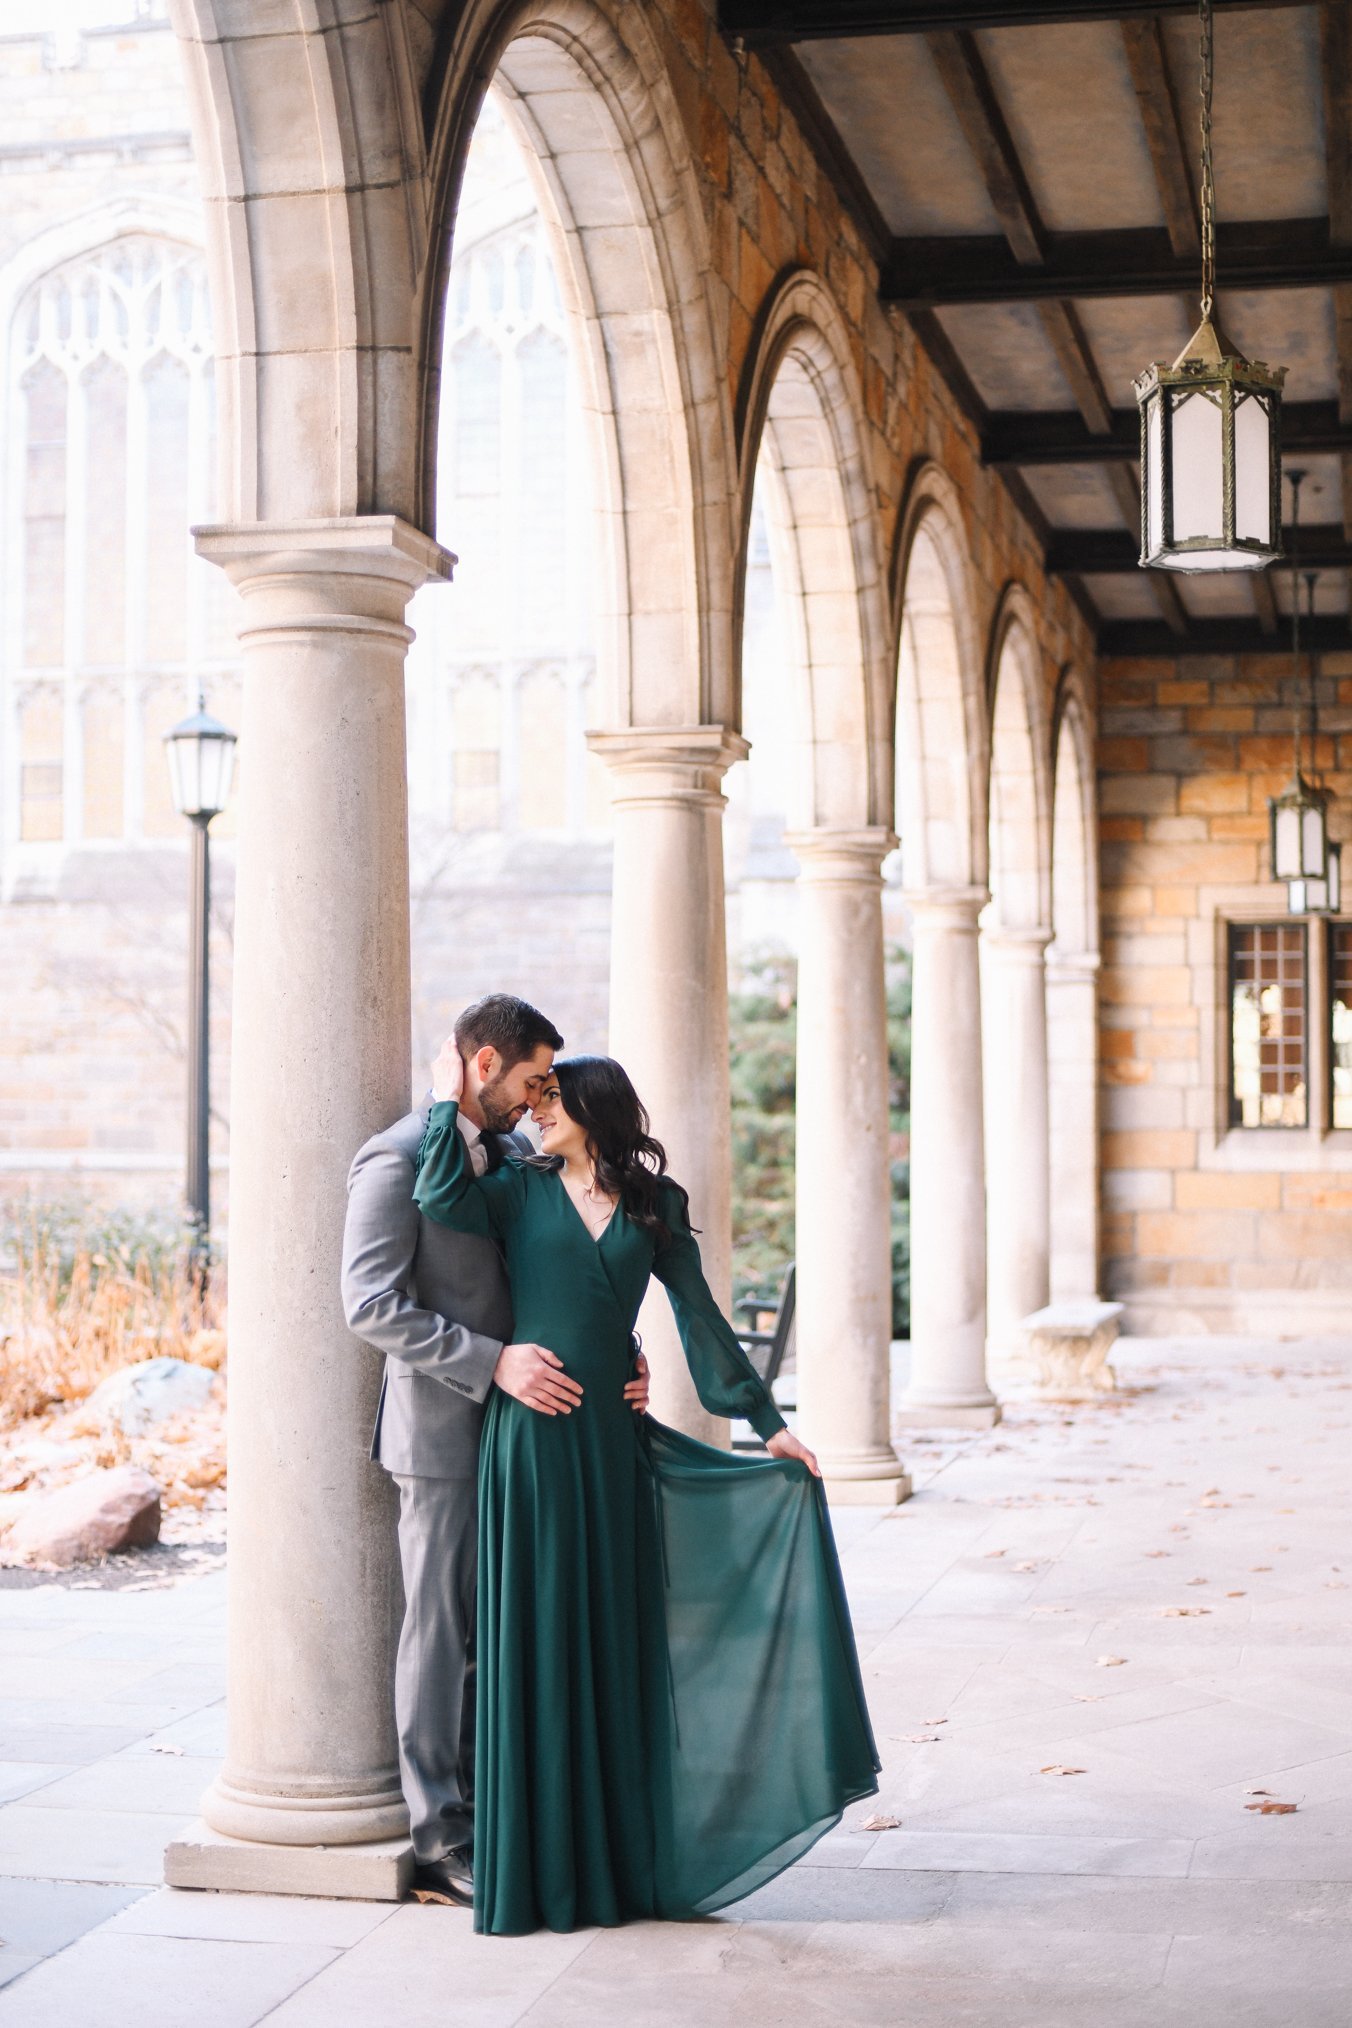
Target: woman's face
(559,1133)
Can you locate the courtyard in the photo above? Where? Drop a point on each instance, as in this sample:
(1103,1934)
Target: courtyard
(1097,1642)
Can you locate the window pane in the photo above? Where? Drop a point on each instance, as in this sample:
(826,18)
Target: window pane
(540,503)
(40,773)
(103,762)
(1268,1078)
(1340,981)
(106,516)
(476,758)
(161,709)
(45,518)
(167,539)
(542,743)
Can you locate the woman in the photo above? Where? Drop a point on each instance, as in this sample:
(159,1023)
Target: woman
(669,1701)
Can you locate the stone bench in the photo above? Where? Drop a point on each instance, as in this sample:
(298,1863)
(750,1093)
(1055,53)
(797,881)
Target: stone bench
(1063,1350)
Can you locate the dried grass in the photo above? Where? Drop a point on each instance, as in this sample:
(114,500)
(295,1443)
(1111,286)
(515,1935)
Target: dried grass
(82,1295)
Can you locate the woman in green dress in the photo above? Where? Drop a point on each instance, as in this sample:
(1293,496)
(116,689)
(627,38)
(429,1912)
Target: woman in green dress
(669,1702)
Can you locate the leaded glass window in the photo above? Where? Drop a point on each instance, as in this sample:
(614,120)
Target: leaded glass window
(1269,1075)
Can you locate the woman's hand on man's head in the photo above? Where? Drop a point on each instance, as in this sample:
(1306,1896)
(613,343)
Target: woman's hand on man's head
(448,1072)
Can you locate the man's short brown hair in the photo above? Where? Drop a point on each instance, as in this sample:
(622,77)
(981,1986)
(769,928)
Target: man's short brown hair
(511,1026)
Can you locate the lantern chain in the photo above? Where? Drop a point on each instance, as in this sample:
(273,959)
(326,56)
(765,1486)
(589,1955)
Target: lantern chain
(1208,170)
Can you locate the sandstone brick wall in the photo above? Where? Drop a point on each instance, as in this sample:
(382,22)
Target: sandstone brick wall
(1205,1226)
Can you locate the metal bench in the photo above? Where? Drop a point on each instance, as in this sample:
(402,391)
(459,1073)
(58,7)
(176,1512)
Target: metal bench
(767,1349)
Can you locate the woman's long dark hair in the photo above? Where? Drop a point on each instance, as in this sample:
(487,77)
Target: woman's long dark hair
(597,1093)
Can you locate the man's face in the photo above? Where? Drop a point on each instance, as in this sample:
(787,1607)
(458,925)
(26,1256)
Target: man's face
(506,1096)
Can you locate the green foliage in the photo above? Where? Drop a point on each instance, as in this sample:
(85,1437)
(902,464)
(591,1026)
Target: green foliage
(763,1023)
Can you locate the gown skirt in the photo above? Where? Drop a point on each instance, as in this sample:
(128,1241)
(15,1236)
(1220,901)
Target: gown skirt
(670,1708)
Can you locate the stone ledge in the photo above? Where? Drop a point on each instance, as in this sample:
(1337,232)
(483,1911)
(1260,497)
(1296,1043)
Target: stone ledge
(203,1858)
(887,1492)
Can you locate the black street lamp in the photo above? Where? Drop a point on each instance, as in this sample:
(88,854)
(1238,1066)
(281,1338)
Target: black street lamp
(201,755)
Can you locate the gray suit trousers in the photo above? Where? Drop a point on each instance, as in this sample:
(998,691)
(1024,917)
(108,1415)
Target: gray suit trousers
(434,1674)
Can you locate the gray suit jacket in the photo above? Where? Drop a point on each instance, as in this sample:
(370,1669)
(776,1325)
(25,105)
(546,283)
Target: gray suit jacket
(435,1302)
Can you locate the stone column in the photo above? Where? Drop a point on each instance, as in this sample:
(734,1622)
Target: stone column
(1018,1202)
(948,1194)
(1072,1063)
(669,997)
(308,1800)
(844,1246)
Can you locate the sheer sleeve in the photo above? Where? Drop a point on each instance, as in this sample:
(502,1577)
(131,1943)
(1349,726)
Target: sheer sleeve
(725,1380)
(446,1189)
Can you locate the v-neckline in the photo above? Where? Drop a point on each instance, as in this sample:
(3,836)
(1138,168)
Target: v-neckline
(594,1237)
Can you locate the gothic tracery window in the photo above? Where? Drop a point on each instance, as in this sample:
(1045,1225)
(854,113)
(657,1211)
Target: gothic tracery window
(117,621)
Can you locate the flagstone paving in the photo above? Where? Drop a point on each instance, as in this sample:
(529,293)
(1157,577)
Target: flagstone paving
(1093,1642)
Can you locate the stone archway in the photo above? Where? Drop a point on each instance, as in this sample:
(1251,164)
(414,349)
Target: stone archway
(802,455)
(584,85)
(941,744)
(1072,1000)
(329,194)
(1015,933)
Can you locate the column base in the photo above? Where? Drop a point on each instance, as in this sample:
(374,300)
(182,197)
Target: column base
(203,1858)
(880,1492)
(946,1415)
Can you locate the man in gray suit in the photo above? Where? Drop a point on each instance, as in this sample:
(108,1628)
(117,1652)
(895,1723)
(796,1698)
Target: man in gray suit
(435,1302)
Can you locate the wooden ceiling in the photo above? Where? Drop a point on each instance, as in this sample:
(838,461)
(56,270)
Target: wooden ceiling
(1027,174)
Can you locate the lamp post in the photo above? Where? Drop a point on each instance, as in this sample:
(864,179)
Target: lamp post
(201,755)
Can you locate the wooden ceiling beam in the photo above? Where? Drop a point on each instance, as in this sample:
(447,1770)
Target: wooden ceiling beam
(1149,63)
(1325,634)
(972,96)
(1110,551)
(952,271)
(761,22)
(1061,437)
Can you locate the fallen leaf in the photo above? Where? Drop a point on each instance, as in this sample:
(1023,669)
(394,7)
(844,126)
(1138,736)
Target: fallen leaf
(1109,1661)
(1084,1697)
(994,1552)
(1157,1552)
(934,1721)
(1258,1792)
(1273,1809)
(1260,1566)
(1236,1594)
(1057,1769)
(166,1749)
(1026,1566)
(881,1824)
(1185,1612)
(1199,1580)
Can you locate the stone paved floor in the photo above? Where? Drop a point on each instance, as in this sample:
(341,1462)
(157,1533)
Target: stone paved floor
(1196,1526)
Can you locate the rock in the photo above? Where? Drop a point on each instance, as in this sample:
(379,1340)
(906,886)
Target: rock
(138,1397)
(95,1516)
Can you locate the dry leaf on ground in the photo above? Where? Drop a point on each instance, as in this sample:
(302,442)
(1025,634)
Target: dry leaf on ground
(1273,1809)
(1109,1661)
(165,1748)
(1057,1769)
(881,1824)
(1236,1594)
(1185,1612)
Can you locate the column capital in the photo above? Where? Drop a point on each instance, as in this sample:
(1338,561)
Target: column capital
(653,764)
(841,855)
(1017,942)
(375,546)
(946,907)
(1072,966)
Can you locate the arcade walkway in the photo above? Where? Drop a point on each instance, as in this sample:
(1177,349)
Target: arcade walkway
(1196,1527)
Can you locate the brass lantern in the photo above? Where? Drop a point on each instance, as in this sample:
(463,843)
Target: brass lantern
(1210,427)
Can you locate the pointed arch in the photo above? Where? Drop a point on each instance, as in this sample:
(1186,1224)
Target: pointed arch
(586,86)
(1020,768)
(1074,861)
(801,444)
(940,735)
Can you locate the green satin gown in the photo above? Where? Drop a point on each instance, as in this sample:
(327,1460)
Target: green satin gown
(669,1702)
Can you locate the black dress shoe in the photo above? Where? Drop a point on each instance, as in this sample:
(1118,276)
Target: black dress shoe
(448,1881)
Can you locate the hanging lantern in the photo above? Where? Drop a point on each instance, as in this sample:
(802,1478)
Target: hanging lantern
(1319,897)
(1210,428)
(1298,827)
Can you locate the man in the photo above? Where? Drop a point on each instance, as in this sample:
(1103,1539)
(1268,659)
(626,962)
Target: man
(435,1302)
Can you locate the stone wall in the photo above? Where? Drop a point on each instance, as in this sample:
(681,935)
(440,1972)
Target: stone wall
(1207,1226)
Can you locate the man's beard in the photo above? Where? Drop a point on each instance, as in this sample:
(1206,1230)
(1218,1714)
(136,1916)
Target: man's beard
(499,1116)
